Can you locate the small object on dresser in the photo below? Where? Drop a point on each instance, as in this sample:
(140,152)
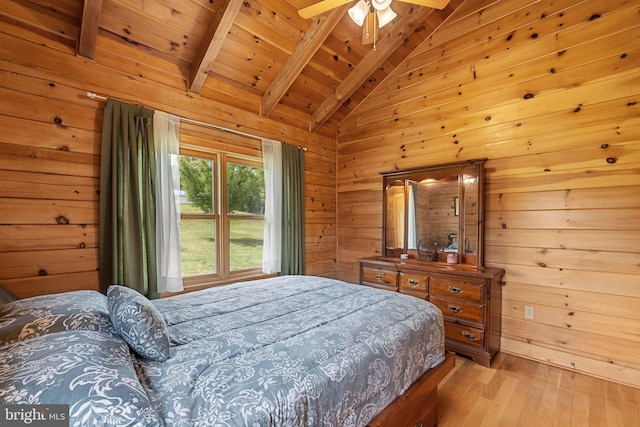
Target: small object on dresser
(424,250)
(393,252)
(452,258)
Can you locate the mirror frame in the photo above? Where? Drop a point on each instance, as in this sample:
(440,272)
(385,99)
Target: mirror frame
(470,167)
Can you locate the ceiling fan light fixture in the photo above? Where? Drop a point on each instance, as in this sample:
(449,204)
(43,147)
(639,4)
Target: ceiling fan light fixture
(380,5)
(358,13)
(385,16)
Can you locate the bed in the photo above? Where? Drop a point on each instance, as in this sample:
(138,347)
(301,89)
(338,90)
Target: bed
(284,351)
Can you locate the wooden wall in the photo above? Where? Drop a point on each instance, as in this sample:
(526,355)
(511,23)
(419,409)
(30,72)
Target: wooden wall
(549,91)
(50,145)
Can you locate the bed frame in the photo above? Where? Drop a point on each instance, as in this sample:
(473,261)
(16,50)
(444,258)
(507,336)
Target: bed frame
(418,406)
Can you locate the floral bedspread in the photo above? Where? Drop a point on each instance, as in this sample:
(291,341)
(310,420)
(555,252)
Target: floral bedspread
(290,351)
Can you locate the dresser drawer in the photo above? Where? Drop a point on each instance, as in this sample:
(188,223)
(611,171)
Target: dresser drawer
(414,281)
(386,279)
(464,334)
(460,289)
(458,309)
(470,298)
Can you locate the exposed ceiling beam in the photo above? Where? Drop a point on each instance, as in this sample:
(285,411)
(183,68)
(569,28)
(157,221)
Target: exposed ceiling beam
(91,10)
(401,29)
(315,36)
(225,14)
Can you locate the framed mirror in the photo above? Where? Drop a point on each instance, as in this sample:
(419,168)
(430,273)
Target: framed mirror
(435,212)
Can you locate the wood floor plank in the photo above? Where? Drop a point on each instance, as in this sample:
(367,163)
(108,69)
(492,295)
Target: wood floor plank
(613,404)
(580,407)
(630,409)
(461,398)
(496,409)
(549,401)
(517,392)
(533,399)
(597,409)
(562,416)
(523,369)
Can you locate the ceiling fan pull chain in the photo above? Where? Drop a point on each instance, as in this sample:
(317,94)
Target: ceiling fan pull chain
(366,23)
(375,29)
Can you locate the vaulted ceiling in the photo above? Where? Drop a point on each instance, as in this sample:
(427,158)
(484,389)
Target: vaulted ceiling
(259,55)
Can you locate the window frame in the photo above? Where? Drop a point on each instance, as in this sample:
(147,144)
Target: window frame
(223,274)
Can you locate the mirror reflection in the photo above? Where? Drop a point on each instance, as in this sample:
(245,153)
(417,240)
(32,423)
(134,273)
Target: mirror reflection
(471,217)
(432,212)
(396,219)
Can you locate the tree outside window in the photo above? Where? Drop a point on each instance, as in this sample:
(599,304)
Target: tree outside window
(221,231)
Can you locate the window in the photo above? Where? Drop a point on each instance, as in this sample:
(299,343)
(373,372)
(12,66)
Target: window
(245,215)
(222,216)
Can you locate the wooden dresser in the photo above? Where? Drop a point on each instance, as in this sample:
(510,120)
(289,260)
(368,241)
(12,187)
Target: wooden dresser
(470,298)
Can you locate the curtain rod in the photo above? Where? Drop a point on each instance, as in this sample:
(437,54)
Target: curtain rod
(93,95)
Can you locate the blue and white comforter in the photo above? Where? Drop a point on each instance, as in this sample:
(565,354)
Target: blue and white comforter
(287,351)
(290,351)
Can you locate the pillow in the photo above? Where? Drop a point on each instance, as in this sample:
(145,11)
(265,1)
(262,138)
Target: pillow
(6,296)
(93,372)
(138,322)
(46,314)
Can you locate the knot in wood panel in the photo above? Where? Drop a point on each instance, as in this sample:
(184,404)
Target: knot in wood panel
(62,220)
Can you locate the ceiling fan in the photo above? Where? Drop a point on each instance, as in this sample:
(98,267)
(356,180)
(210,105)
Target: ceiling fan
(370,14)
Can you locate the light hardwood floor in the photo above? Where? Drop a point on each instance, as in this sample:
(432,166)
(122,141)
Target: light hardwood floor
(521,392)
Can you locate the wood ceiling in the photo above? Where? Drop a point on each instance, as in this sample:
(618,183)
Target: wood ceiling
(258,55)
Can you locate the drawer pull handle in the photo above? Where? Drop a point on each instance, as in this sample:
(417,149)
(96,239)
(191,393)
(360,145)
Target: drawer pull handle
(379,276)
(469,336)
(455,308)
(455,290)
(413,282)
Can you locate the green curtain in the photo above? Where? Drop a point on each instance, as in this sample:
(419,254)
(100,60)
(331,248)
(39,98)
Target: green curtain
(293,249)
(127,194)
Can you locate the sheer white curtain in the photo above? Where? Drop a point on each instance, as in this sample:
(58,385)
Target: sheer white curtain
(166,130)
(411,223)
(272,160)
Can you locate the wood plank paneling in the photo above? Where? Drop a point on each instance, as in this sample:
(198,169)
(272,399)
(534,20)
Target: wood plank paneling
(50,146)
(16,184)
(24,158)
(45,262)
(40,23)
(48,212)
(20,238)
(27,287)
(549,92)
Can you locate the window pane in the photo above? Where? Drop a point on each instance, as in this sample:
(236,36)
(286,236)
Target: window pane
(198,246)
(245,189)
(196,185)
(246,238)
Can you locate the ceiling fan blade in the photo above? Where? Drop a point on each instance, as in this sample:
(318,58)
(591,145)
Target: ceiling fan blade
(434,4)
(321,7)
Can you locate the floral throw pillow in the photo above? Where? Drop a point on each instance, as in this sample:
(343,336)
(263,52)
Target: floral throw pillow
(138,322)
(28,318)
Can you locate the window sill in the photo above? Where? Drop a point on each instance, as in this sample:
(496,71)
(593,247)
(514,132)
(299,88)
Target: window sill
(192,284)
